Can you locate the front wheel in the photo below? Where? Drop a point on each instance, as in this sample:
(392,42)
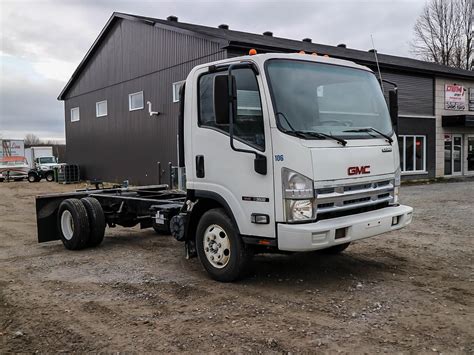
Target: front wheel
(219,247)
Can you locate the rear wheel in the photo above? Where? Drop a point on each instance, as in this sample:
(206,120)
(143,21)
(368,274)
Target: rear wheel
(96,217)
(73,224)
(220,248)
(49,176)
(336,249)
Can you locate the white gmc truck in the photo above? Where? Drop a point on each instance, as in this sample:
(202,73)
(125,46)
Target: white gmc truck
(277,152)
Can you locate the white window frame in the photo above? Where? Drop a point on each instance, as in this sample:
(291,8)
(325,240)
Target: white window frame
(130,101)
(177,85)
(402,158)
(78,114)
(97,108)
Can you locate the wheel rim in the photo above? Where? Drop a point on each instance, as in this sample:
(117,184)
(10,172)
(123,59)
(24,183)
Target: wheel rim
(67,225)
(31,178)
(216,244)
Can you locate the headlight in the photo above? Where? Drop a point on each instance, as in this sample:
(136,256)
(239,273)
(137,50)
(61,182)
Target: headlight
(299,210)
(298,192)
(296,186)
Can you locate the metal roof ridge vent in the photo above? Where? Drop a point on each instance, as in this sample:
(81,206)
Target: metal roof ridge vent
(309,40)
(223,26)
(372,50)
(268,33)
(342,45)
(172,18)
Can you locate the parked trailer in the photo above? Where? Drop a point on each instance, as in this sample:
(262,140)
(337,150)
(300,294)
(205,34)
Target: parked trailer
(279,153)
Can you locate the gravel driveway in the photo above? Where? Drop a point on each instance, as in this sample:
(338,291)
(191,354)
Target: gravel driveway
(410,291)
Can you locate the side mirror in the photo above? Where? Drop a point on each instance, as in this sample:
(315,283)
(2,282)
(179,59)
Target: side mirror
(393,106)
(221,99)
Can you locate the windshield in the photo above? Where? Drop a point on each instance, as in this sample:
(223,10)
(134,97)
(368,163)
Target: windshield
(325,98)
(47,160)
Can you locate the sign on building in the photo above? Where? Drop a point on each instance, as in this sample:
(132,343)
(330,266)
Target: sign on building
(12,148)
(471,99)
(454,97)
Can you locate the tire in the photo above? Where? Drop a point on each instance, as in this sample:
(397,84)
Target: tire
(32,178)
(96,221)
(230,251)
(336,249)
(73,224)
(49,176)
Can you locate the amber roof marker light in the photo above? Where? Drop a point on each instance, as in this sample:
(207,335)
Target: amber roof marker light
(252,51)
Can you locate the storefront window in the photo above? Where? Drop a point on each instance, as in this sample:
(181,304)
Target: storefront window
(412,153)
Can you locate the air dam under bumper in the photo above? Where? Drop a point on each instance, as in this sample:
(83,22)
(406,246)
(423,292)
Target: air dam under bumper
(322,234)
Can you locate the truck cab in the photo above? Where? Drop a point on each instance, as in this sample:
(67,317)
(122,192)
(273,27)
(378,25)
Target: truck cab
(299,151)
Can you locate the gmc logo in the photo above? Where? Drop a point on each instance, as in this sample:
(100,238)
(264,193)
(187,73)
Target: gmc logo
(358,170)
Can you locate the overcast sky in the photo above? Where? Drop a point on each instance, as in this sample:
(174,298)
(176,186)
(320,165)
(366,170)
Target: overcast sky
(42,41)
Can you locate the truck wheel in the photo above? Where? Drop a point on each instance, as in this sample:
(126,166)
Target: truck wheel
(49,176)
(336,249)
(96,221)
(32,178)
(73,224)
(219,247)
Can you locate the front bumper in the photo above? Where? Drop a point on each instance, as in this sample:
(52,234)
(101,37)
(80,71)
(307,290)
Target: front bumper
(322,234)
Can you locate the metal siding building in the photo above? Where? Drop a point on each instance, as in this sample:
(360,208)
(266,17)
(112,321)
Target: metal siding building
(135,53)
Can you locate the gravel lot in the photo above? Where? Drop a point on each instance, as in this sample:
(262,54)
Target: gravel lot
(410,291)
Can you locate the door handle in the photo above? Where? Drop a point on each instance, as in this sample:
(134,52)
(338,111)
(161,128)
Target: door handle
(200,166)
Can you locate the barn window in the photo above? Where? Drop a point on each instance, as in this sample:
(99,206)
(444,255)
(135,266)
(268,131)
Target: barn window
(75,114)
(101,108)
(176,87)
(135,101)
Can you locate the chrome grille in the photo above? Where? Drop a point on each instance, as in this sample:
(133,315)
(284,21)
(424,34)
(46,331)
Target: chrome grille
(346,197)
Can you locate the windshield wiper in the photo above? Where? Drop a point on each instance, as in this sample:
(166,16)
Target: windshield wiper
(341,141)
(291,131)
(305,134)
(371,129)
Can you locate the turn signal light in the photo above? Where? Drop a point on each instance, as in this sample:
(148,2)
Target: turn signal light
(252,51)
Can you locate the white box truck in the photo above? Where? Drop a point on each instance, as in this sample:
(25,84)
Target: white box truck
(42,163)
(281,153)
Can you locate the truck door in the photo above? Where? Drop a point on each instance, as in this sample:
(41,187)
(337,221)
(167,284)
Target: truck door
(227,174)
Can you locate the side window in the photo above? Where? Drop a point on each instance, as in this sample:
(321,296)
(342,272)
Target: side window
(248,124)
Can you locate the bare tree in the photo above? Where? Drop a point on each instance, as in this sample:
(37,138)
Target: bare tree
(31,139)
(444,33)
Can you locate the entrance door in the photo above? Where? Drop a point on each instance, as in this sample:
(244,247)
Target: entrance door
(453,153)
(470,154)
(457,154)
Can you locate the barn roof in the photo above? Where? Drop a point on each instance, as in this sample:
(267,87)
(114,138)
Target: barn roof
(237,39)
